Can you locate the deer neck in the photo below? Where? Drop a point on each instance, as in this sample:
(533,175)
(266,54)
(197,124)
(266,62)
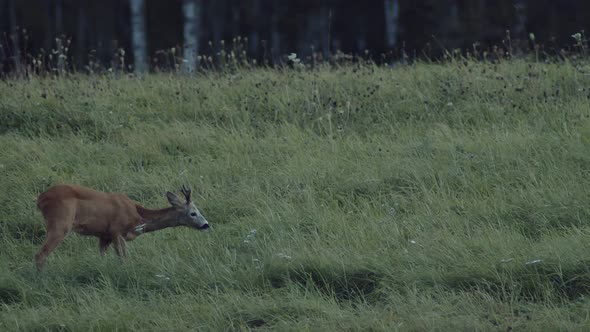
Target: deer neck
(153,220)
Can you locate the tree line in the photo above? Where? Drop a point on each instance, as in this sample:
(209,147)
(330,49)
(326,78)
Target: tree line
(135,31)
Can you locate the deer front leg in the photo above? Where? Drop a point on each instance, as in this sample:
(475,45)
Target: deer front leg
(140,229)
(120,246)
(103,245)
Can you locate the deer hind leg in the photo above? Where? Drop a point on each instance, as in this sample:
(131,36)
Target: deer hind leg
(53,239)
(120,246)
(103,245)
(59,221)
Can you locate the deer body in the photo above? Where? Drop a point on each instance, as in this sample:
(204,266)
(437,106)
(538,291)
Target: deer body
(112,217)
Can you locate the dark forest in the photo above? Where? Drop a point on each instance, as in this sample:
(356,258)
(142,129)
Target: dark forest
(136,31)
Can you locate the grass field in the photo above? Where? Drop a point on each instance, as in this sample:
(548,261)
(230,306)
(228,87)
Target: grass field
(425,197)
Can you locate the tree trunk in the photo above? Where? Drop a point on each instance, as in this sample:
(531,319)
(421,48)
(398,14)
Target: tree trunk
(519,29)
(58,7)
(361,37)
(2,16)
(453,26)
(58,10)
(275,33)
(235,20)
(123,32)
(2,29)
(105,35)
(48,24)
(14,37)
(324,25)
(216,13)
(391,22)
(192,22)
(473,16)
(81,36)
(138,36)
(254,38)
(314,35)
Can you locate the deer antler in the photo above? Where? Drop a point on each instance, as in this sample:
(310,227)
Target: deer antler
(187,193)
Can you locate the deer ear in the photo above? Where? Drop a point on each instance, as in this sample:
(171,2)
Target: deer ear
(174,200)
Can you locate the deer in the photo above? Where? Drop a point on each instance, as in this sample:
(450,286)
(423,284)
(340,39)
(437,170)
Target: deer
(112,217)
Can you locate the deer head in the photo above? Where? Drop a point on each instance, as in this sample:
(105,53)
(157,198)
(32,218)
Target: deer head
(187,212)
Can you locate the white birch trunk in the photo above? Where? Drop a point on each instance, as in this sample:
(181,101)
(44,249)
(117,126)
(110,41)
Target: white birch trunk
(315,33)
(138,36)
(520,22)
(14,34)
(59,45)
(391,22)
(2,28)
(192,19)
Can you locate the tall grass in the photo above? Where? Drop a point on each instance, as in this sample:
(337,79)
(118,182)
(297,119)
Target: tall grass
(421,197)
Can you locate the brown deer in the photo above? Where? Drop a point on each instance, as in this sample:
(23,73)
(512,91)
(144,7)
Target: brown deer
(112,217)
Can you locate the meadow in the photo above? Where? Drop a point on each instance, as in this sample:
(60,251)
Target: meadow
(449,196)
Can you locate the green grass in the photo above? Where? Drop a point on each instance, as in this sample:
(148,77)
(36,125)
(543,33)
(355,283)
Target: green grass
(384,199)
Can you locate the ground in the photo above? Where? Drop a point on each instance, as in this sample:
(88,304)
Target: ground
(429,196)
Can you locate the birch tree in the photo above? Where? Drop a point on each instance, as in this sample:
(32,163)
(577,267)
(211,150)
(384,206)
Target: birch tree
(519,28)
(391,22)
(138,36)
(3,48)
(192,22)
(275,32)
(59,41)
(315,32)
(14,33)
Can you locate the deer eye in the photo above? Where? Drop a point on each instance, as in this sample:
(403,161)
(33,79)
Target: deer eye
(193,214)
